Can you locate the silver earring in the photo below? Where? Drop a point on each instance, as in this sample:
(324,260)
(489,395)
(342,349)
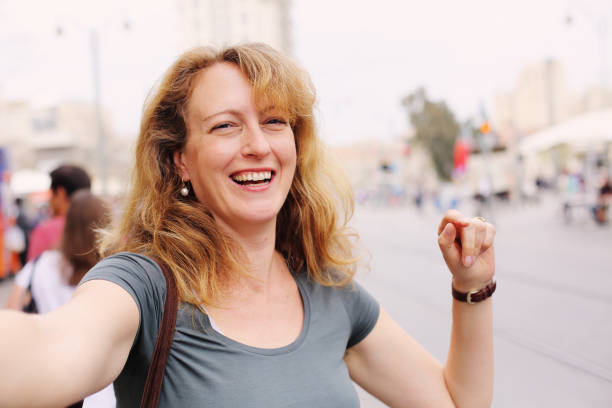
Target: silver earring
(185,190)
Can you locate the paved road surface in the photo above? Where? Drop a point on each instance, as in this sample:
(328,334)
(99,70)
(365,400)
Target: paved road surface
(553,307)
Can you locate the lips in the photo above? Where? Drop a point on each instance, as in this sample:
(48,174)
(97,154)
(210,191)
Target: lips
(249,178)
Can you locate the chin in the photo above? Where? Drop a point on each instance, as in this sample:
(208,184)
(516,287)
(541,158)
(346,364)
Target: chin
(259,217)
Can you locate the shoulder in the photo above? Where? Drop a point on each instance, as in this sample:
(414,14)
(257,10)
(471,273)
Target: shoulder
(127,266)
(51,225)
(48,265)
(45,235)
(127,260)
(47,260)
(360,308)
(22,279)
(49,256)
(138,274)
(351,294)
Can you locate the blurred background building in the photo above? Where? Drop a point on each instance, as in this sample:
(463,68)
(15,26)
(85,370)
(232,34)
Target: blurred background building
(39,134)
(44,136)
(220,22)
(394,152)
(541,98)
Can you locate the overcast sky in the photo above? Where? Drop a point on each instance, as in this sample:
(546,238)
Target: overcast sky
(363,55)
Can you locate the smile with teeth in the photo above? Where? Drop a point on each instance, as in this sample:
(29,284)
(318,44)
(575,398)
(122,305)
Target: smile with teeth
(252,177)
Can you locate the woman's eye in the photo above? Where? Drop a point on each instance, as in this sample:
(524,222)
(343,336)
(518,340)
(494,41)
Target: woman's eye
(276,121)
(222,126)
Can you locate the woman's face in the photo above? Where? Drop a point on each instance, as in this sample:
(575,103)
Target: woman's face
(239,156)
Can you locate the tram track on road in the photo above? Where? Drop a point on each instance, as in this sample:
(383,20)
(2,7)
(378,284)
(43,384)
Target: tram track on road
(507,274)
(571,360)
(543,349)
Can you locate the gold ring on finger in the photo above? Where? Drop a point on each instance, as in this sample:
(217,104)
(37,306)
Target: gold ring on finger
(481,219)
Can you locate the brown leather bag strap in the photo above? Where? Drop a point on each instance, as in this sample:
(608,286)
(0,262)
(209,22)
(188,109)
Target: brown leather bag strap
(155,375)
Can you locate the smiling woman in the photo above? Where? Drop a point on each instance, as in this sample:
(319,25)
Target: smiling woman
(233,195)
(240,160)
(217,120)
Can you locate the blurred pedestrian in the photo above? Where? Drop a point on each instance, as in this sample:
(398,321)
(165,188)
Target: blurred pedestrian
(53,276)
(603,202)
(65,180)
(25,224)
(234,196)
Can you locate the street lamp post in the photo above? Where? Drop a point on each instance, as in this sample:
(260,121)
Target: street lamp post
(94,50)
(94,46)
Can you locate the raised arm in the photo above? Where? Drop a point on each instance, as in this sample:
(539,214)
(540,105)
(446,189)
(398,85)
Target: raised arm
(392,366)
(60,357)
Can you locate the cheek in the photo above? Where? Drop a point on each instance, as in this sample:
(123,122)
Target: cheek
(287,152)
(206,157)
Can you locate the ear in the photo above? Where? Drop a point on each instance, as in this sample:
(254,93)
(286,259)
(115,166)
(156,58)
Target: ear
(60,192)
(179,162)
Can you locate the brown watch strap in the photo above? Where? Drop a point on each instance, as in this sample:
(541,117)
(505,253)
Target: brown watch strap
(475,296)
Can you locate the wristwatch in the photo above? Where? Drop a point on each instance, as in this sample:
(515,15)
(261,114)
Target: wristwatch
(476,295)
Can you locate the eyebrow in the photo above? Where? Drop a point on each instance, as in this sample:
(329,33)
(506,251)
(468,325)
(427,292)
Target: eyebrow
(230,111)
(238,113)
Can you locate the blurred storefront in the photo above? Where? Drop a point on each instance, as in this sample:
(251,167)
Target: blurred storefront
(585,139)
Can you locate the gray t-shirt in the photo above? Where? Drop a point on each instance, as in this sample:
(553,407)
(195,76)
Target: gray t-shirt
(207,369)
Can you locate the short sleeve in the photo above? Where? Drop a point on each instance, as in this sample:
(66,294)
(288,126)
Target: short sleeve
(362,309)
(22,279)
(141,277)
(35,246)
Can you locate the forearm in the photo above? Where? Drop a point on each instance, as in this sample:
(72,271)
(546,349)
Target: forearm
(469,368)
(38,365)
(22,373)
(58,358)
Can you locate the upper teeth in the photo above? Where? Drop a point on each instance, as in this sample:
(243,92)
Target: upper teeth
(253,176)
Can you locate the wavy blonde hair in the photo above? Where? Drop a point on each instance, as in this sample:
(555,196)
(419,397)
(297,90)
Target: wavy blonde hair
(311,229)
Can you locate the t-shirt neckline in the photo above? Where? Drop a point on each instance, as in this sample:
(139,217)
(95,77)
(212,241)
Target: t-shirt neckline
(277,350)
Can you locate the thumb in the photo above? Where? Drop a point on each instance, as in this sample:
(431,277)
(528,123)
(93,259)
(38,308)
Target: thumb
(446,241)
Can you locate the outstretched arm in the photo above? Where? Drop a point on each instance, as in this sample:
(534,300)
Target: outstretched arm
(58,358)
(392,366)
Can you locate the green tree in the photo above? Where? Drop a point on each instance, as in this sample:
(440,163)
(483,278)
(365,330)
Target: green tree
(435,128)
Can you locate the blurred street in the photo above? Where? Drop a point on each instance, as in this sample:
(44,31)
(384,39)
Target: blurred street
(552,308)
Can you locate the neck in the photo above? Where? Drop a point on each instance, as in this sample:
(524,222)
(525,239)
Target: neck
(60,210)
(258,243)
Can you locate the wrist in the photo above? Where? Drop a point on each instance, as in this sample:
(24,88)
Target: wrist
(466,285)
(474,294)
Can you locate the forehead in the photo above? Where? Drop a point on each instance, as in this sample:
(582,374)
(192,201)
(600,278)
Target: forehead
(220,86)
(223,86)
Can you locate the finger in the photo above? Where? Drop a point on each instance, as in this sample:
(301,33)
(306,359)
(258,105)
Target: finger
(446,238)
(446,241)
(454,217)
(489,237)
(468,241)
(481,232)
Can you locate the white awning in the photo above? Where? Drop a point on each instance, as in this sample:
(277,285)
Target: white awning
(581,132)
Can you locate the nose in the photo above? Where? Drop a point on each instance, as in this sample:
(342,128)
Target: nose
(254,142)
